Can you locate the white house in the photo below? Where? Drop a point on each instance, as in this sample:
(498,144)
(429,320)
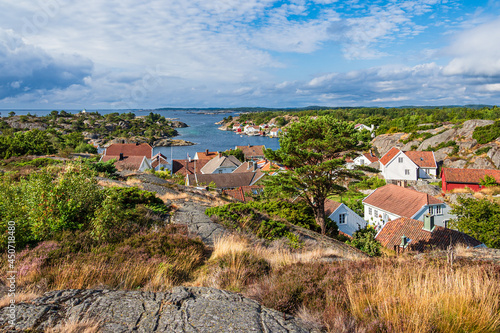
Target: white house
(347,220)
(390,202)
(221,164)
(274,133)
(361,127)
(366,159)
(408,165)
(159,161)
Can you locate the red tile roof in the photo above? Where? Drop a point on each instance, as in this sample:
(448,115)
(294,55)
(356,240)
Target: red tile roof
(128,162)
(420,239)
(370,157)
(243,193)
(399,200)
(129,149)
(424,159)
(252,151)
(185,167)
(206,154)
(389,155)
(331,206)
(468,176)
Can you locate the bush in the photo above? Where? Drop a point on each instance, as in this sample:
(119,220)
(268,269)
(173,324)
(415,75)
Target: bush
(85,148)
(485,134)
(364,239)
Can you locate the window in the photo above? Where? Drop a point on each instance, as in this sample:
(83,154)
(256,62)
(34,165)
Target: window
(431,210)
(342,218)
(438,210)
(369,211)
(407,172)
(376,213)
(400,160)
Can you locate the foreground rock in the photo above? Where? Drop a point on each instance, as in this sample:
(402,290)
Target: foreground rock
(181,310)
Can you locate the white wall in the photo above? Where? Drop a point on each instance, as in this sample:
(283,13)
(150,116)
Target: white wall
(439,219)
(377,217)
(352,223)
(396,170)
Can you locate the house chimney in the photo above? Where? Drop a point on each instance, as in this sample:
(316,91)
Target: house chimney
(428,222)
(219,154)
(403,241)
(121,157)
(137,143)
(206,152)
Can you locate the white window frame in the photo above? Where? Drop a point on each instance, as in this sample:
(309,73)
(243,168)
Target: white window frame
(342,218)
(400,160)
(370,211)
(407,172)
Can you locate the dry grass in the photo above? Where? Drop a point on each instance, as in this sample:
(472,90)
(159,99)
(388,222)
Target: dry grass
(133,181)
(105,183)
(491,190)
(429,299)
(175,197)
(19,298)
(462,190)
(84,326)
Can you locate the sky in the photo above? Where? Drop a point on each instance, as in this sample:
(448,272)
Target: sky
(128,54)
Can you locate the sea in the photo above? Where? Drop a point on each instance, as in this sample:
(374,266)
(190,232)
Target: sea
(202,130)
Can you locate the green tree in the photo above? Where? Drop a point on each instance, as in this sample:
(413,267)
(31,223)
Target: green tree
(314,150)
(364,239)
(488,181)
(479,219)
(238,153)
(12,114)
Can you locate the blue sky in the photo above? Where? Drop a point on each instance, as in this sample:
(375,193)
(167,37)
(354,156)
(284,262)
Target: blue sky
(96,54)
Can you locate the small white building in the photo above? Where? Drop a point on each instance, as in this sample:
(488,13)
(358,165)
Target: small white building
(408,165)
(390,202)
(274,132)
(347,220)
(367,159)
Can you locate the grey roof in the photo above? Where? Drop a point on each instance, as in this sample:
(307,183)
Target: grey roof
(220,162)
(225,180)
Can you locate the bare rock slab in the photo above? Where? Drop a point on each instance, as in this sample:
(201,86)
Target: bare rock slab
(181,310)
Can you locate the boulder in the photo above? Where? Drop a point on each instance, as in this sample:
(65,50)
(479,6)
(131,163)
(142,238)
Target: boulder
(446,136)
(383,143)
(481,163)
(455,164)
(442,153)
(494,155)
(180,310)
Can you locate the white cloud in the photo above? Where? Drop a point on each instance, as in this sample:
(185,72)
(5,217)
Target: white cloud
(476,51)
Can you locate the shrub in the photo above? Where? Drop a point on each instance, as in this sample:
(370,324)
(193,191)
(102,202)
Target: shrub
(485,134)
(364,239)
(85,148)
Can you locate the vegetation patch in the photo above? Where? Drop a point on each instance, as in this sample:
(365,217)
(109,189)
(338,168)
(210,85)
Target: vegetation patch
(485,134)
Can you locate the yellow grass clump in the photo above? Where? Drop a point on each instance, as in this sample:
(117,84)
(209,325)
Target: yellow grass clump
(429,299)
(82,326)
(19,298)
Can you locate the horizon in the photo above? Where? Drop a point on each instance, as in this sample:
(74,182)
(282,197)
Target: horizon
(195,54)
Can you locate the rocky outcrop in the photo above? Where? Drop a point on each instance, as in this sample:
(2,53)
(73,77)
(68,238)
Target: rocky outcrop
(480,163)
(383,143)
(179,124)
(180,310)
(172,142)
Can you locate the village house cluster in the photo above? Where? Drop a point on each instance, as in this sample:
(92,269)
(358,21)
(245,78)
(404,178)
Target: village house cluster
(403,217)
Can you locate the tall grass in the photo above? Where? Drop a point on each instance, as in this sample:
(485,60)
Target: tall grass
(427,299)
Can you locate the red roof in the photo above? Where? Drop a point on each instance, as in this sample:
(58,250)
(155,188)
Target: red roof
(370,157)
(129,149)
(468,176)
(185,167)
(399,200)
(424,159)
(206,154)
(420,239)
(389,155)
(331,206)
(252,151)
(243,193)
(128,162)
